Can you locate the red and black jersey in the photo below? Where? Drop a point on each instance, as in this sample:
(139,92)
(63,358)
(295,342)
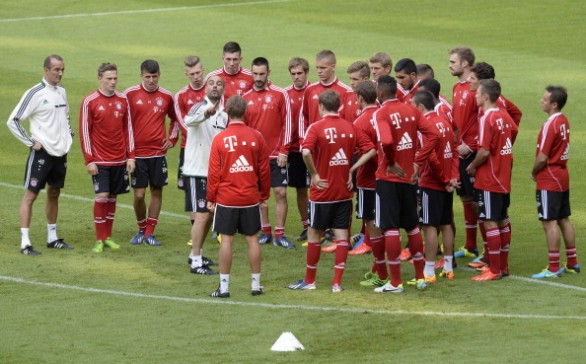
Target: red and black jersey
(236,84)
(554,142)
(465,114)
(497,135)
(397,125)
(148,111)
(268,112)
(365,175)
(310,109)
(440,165)
(105,129)
(332,141)
(295,102)
(185,99)
(239,172)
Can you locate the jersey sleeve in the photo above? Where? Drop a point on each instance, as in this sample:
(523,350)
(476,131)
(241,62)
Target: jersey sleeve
(24,108)
(85,127)
(286,127)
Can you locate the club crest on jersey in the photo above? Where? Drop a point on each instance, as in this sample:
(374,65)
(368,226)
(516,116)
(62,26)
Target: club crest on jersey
(339,159)
(118,106)
(242,84)
(241,165)
(268,99)
(159,101)
(405,143)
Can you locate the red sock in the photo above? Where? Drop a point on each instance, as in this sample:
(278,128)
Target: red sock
(313,253)
(110,215)
(393,250)
(151,223)
(471,221)
(100,212)
(279,231)
(340,260)
(571,255)
(378,251)
(266,229)
(142,224)
(554,261)
(505,233)
(483,235)
(493,238)
(415,242)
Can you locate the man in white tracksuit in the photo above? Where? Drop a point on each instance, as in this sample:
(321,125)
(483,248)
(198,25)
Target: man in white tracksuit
(203,122)
(45,106)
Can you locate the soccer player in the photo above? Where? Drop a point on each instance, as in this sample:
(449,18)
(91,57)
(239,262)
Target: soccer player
(407,82)
(357,72)
(492,171)
(237,80)
(466,125)
(149,105)
(297,171)
(442,106)
(238,182)
(203,122)
(185,99)
(327,152)
(380,65)
(425,72)
(50,138)
(438,177)
(397,124)
(325,64)
(553,184)
(268,112)
(107,143)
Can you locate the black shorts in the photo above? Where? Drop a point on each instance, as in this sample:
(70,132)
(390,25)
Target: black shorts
(278,174)
(436,207)
(42,168)
(230,220)
(466,180)
(330,215)
(492,206)
(366,199)
(180,178)
(196,189)
(150,172)
(396,205)
(297,175)
(111,179)
(553,205)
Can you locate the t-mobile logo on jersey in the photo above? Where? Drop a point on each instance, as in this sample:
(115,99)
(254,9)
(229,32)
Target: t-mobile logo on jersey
(230,142)
(331,135)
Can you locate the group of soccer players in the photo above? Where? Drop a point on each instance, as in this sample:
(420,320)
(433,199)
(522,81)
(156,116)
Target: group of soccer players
(396,141)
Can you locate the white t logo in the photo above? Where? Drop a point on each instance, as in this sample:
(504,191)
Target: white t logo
(230,142)
(331,135)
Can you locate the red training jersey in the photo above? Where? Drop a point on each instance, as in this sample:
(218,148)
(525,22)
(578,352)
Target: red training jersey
(310,109)
(465,114)
(349,106)
(105,129)
(236,84)
(365,175)
(184,101)
(239,174)
(444,110)
(148,111)
(295,102)
(497,135)
(554,142)
(268,112)
(332,141)
(407,95)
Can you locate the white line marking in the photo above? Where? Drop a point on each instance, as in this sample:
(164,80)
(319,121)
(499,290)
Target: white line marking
(14,20)
(298,307)
(520,278)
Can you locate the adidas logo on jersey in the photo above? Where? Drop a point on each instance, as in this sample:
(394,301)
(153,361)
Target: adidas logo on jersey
(566,154)
(448,151)
(405,143)
(339,159)
(241,165)
(507,148)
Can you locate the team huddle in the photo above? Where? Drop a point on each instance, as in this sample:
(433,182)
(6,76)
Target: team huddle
(396,142)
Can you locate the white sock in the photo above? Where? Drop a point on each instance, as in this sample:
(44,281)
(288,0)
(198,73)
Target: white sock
(429,269)
(255,285)
(224,282)
(51,233)
(24,239)
(196,261)
(448,263)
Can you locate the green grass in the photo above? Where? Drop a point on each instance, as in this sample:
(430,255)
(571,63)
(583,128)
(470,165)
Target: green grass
(170,318)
